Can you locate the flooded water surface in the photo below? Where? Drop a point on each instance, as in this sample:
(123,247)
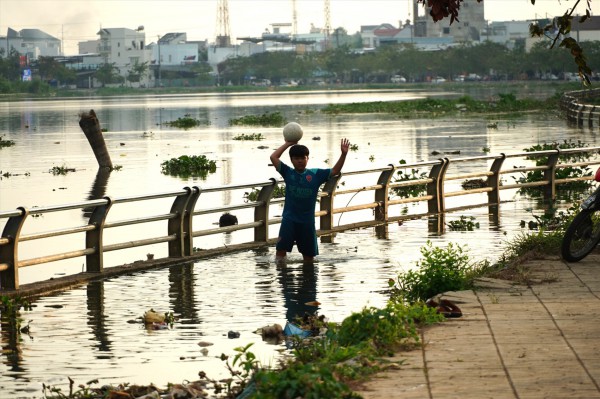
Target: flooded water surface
(94,331)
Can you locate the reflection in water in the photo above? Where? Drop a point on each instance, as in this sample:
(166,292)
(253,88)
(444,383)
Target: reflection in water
(98,188)
(181,292)
(97,319)
(10,338)
(299,285)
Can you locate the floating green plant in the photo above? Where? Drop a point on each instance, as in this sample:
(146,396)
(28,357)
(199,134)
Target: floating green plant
(465,223)
(61,170)
(266,119)
(6,143)
(250,137)
(186,122)
(189,166)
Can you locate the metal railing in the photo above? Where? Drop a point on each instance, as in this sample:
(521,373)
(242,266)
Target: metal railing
(186,207)
(576,109)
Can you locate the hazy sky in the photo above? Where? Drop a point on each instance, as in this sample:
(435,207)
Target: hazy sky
(77,20)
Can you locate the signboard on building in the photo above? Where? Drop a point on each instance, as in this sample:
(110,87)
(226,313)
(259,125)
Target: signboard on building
(26,75)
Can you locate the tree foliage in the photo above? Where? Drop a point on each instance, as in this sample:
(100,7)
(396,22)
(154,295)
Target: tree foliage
(108,73)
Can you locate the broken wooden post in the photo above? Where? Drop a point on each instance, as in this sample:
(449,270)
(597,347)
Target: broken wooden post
(91,128)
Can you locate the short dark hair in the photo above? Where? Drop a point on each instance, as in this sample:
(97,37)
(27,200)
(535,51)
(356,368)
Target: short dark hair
(298,150)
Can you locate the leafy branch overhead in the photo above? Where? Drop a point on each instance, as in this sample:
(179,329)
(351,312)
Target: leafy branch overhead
(557,30)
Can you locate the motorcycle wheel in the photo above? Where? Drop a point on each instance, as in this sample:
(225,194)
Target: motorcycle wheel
(582,236)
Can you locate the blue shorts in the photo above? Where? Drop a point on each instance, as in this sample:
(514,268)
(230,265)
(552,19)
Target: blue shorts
(304,235)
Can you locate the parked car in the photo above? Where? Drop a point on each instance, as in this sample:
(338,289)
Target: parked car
(398,79)
(438,79)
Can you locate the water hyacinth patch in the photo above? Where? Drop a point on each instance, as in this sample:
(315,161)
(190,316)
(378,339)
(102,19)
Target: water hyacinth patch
(189,166)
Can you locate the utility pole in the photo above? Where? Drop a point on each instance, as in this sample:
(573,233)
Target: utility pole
(159,62)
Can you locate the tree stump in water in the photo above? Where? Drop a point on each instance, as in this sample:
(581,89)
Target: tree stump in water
(90,125)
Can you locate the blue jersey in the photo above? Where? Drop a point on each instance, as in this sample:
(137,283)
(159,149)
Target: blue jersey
(301,191)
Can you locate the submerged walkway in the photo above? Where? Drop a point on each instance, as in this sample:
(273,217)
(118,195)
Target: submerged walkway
(513,341)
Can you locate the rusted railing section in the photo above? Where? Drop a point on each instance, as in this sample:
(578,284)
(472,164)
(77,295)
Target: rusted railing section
(184,208)
(574,104)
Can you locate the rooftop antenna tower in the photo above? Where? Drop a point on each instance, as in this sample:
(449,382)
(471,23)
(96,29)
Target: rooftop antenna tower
(327,28)
(223,38)
(294,19)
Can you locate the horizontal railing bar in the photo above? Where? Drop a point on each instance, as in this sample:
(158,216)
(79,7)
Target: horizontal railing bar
(4,241)
(139,243)
(358,190)
(364,171)
(238,186)
(476,158)
(228,208)
(463,207)
(410,182)
(143,197)
(469,175)
(573,179)
(10,214)
(56,233)
(56,257)
(410,200)
(67,207)
(580,149)
(227,229)
(527,169)
(148,219)
(470,191)
(370,205)
(573,165)
(532,154)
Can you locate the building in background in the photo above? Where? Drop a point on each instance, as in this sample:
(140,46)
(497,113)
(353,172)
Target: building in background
(32,43)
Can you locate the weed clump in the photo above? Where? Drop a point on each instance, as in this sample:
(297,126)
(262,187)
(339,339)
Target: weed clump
(189,166)
(186,122)
(266,119)
(6,143)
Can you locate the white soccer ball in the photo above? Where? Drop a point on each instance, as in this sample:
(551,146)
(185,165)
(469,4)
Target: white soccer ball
(292,132)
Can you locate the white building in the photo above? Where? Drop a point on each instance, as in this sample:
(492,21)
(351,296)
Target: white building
(173,49)
(125,48)
(32,43)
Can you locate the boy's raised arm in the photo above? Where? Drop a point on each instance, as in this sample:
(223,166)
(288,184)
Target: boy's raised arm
(279,152)
(337,168)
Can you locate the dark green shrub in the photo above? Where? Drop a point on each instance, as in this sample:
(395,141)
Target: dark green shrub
(439,270)
(186,122)
(266,119)
(189,166)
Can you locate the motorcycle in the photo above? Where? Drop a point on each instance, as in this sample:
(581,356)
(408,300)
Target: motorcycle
(583,234)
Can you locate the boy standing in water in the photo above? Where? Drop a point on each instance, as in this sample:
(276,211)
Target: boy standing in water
(301,189)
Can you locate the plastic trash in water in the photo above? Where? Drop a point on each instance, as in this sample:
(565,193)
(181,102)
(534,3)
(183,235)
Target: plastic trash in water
(292,329)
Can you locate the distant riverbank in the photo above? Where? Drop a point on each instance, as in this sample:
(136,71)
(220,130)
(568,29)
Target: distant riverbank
(537,89)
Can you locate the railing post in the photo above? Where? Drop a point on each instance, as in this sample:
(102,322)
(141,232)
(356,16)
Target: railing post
(261,213)
(176,225)
(493,181)
(550,176)
(327,205)
(436,187)
(382,197)
(9,254)
(93,238)
(188,222)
